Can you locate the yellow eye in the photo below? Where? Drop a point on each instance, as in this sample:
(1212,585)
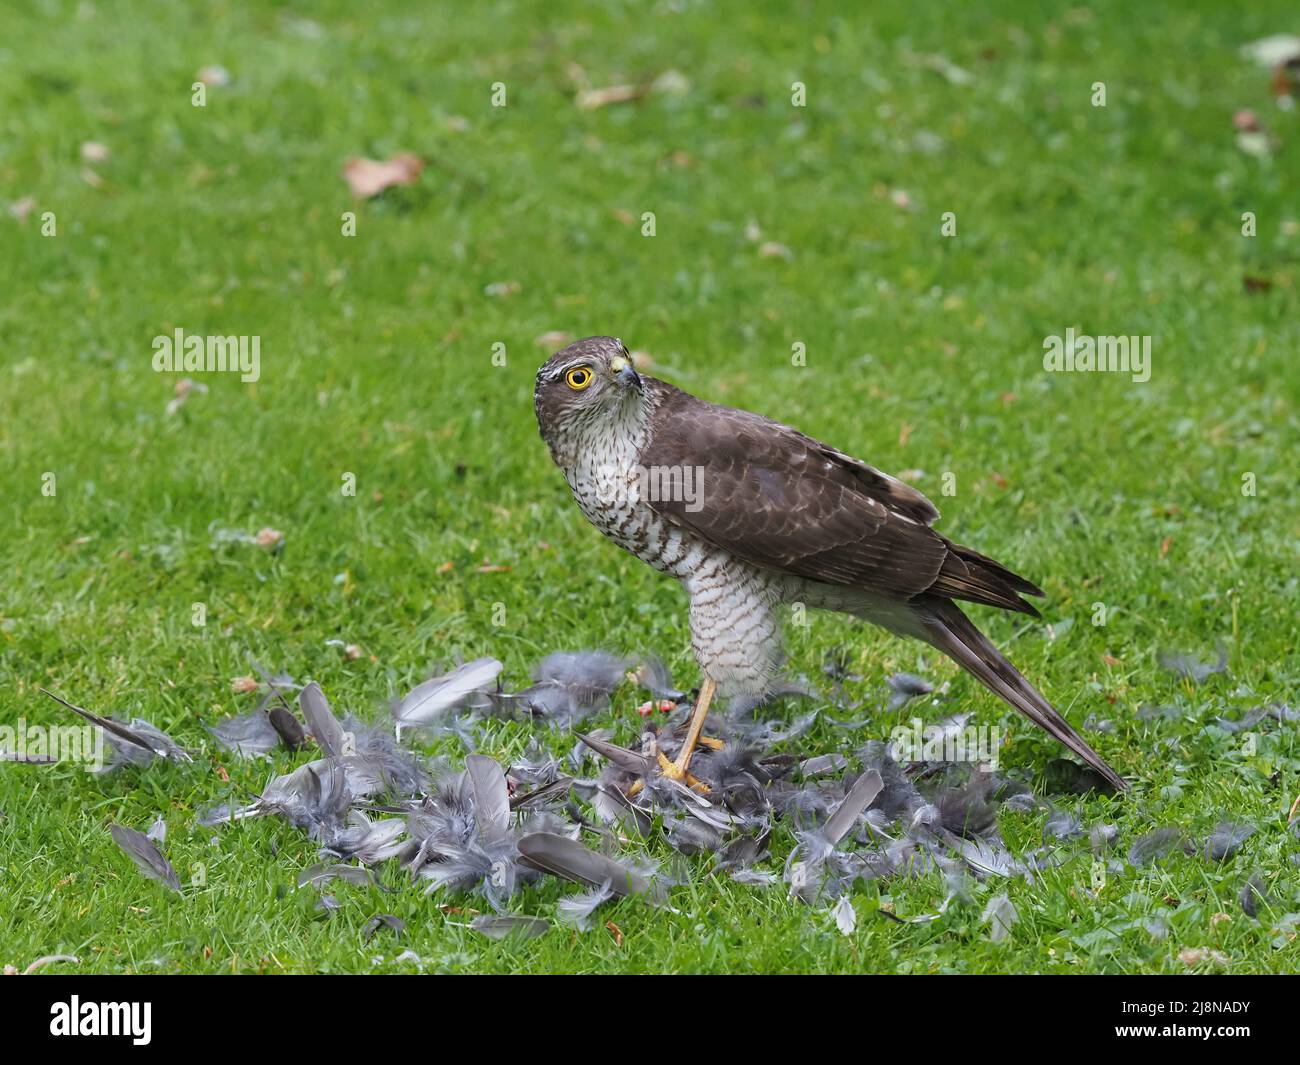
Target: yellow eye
(578,378)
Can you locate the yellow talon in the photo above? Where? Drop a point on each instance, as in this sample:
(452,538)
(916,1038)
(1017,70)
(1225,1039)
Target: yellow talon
(675,772)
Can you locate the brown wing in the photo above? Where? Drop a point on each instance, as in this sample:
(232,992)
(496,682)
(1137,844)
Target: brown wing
(784,501)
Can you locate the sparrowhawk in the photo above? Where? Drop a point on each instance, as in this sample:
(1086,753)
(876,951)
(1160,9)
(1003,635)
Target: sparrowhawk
(751,515)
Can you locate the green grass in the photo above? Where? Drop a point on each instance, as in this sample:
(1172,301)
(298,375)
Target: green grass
(924,354)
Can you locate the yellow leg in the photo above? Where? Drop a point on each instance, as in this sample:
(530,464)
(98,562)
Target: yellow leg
(678,770)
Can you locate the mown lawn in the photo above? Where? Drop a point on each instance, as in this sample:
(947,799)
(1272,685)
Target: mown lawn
(775,225)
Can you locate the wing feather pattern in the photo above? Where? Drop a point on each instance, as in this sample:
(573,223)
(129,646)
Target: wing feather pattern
(784,501)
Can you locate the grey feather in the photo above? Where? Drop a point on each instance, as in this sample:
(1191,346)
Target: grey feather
(321,722)
(427,702)
(248,735)
(632,761)
(316,875)
(1254,895)
(822,765)
(589,675)
(969,810)
(846,917)
(1062,825)
(369,842)
(158,830)
(905,687)
(985,857)
(491,797)
(612,804)
(383,920)
(552,792)
(502,926)
(138,742)
(570,860)
(1001,914)
(146,855)
(1226,840)
(1187,666)
(653,675)
(754,877)
(287,728)
(1154,845)
(860,796)
(1102,837)
(571,685)
(576,910)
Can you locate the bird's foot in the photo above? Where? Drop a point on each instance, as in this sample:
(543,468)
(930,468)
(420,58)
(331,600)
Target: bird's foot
(676,772)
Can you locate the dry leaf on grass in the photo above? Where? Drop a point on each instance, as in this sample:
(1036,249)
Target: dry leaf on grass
(556,338)
(20,209)
(590,99)
(367,178)
(215,76)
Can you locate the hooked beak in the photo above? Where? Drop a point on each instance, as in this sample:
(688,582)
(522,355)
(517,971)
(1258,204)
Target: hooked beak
(624,372)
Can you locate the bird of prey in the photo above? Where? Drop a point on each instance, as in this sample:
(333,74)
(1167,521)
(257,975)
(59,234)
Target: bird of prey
(750,514)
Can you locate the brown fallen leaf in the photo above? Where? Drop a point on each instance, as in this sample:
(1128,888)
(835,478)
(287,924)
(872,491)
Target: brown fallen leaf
(244,685)
(1165,544)
(590,99)
(215,76)
(184,386)
(901,199)
(556,338)
(488,568)
(367,178)
(1195,955)
(1281,81)
(20,209)
(1255,283)
(616,932)
(1246,121)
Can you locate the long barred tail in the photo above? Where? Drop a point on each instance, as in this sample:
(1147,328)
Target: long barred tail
(948,629)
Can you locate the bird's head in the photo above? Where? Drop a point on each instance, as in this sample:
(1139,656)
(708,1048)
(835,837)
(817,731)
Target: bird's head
(590,380)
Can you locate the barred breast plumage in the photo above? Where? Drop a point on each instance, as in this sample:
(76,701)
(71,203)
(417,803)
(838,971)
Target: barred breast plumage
(735,629)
